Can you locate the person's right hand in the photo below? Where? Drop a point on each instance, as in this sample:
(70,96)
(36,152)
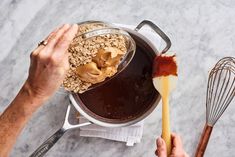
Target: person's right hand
(49,63)
(177,147)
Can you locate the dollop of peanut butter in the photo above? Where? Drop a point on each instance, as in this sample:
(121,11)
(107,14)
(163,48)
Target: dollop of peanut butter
(103,65)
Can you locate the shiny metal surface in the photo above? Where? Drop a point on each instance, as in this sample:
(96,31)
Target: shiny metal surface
(77,103)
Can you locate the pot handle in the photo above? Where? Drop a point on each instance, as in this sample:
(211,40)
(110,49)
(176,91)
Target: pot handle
(46,146)
(158,31)
(50,142)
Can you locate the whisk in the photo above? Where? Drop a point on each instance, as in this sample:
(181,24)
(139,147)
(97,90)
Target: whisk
(220,92)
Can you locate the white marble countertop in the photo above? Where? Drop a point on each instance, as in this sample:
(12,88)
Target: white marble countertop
(201,32)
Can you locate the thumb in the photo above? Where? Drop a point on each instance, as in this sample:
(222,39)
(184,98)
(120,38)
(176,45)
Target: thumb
(161,148)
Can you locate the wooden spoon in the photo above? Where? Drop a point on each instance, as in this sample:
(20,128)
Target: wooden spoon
(164,80)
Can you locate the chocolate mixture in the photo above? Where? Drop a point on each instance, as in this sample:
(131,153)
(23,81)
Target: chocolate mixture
(129,94)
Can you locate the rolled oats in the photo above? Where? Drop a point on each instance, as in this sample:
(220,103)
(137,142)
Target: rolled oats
(83,53)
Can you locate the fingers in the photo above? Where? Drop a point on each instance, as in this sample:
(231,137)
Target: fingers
(60,50)
(65,40)
(55,50)
(52,33)
(185,154)
(176,140)
(50,38)
(40,47)
(55,37)
(177,148)
(66,62)
(161,148)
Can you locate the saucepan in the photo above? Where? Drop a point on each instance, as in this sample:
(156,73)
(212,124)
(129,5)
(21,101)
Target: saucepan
(124,100)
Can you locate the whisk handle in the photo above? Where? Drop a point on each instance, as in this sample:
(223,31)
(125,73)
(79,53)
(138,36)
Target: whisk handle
(203,141)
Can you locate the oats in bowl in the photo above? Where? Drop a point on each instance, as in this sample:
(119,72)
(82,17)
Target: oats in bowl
(93,59)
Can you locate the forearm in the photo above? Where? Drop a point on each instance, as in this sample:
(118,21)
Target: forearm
(14,118)
(48,66)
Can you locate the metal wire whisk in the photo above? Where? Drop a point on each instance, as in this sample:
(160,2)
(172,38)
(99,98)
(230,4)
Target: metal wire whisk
(220,92)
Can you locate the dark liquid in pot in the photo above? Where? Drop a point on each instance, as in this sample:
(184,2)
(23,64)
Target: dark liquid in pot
(127,95)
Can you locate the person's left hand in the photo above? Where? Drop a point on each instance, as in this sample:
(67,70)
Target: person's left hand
(49,63)
(177,147)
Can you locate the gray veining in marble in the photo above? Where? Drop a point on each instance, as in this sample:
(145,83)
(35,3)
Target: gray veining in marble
(201,32)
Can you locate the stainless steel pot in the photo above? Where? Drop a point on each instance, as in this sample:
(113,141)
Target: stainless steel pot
(81,107)
(139,39)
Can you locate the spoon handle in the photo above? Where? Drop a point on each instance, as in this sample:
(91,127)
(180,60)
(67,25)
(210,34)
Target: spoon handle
(166,133)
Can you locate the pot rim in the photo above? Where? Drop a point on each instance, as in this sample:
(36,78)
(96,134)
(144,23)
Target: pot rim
(75,101)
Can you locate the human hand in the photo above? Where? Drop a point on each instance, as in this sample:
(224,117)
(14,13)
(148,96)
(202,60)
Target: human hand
(49,63)
(177,147)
